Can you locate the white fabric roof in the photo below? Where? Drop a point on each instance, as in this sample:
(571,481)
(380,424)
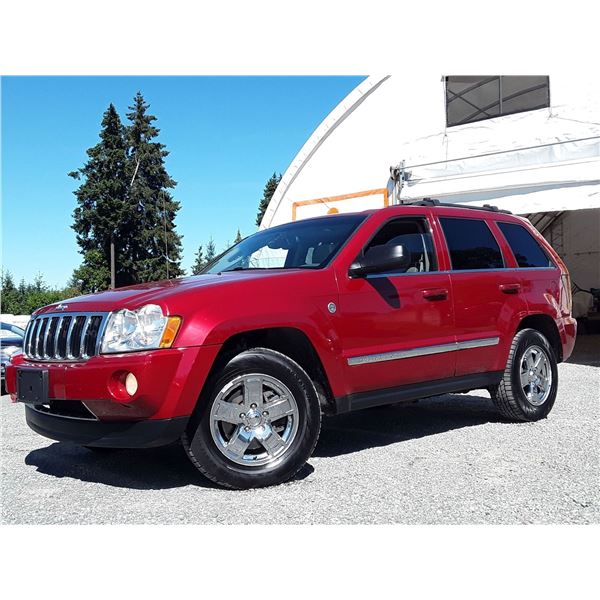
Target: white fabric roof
(542,160)
(529,162)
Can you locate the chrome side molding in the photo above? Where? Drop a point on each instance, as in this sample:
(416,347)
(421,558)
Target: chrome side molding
(422,351)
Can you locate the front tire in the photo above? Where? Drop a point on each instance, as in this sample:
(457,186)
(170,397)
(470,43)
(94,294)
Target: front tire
(257,421)
(528,388)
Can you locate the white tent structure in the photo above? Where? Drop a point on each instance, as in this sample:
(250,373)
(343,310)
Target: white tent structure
(543,162)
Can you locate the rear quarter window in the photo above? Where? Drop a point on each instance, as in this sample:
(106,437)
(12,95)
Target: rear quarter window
(471,244)
(527,250)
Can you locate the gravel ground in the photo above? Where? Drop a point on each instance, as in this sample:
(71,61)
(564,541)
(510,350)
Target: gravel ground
(448,459)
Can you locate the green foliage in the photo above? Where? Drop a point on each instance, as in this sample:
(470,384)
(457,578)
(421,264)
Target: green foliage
(238,237)
(102,214)
(268,192)
(124,198)
(156,247)
(28,297)
(211,251)
(91,276)
(199,263)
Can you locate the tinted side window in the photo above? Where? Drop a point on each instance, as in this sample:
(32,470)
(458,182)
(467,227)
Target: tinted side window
(412,233)
(525,247)
(471,244)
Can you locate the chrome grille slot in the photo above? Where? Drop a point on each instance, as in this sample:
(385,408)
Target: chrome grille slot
(75,339)
(41,336)
(64,337)
(91,339)
(61,345)
(34,338)
(50,336)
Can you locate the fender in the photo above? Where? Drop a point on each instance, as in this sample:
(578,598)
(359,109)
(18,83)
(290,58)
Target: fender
(275,301)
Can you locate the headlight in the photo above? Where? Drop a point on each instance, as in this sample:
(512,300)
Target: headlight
(143,329)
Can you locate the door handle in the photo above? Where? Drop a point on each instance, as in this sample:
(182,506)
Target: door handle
(510,288)
(435,294)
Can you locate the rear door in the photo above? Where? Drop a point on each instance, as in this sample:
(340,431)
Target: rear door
(487,292)
(397,328)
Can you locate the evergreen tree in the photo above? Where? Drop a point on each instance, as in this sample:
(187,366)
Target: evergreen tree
(9,295)
(268,192)
(101,217)
(199,262)
(93,274)
(211,251)
(156,249)
(27,297)
(238,237)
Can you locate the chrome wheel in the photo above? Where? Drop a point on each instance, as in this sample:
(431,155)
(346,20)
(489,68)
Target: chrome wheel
(254,420)
(536,375)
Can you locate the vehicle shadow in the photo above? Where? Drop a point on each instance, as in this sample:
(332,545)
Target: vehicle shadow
(148,469)
(168,467)
(356,431)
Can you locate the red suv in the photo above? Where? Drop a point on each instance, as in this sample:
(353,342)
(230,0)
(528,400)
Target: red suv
(321,316)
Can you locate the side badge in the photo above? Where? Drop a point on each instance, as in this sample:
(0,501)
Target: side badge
(331,307)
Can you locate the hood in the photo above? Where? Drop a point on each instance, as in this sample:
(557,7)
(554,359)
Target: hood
(159,292)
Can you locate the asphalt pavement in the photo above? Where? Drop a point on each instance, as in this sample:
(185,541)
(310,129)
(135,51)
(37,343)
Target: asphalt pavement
(449,459)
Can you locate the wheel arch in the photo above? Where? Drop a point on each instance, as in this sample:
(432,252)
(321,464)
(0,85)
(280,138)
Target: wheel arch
(290,341)
(546,325)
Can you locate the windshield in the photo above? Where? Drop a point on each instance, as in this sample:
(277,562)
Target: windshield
(309,244)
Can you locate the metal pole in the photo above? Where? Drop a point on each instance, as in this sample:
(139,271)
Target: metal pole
(112,263)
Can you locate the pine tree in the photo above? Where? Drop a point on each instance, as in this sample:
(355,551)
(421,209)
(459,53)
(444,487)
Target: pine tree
(268,192)
(210,251)
(101,217)
(9,294)
(199,262)
(27,297)
(157,250)
(93,274)
(238,237)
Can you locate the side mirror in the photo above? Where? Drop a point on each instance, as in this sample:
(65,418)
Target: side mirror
(380,259)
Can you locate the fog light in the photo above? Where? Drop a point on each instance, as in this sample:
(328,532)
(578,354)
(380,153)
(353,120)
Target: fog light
(131,384)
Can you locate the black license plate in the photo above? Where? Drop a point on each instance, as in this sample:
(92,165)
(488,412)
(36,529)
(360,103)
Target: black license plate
(32,386)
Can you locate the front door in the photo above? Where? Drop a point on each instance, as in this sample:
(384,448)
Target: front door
(397,328)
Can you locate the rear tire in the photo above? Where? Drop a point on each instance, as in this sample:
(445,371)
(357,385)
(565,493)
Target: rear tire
(528,388)
(256,423)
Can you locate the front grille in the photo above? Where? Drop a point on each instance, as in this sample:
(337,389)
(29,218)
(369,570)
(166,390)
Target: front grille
(72,336)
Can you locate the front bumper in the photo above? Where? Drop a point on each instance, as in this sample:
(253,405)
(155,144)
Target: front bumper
(170,382)
(110,434)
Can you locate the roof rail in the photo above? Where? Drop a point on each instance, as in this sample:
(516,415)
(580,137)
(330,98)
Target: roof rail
(436,202)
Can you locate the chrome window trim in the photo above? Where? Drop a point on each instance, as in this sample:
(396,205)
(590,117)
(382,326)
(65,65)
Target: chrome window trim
(422,351)
(34,325)
(503,270)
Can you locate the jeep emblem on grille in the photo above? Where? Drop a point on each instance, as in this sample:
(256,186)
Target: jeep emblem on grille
(62,307)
